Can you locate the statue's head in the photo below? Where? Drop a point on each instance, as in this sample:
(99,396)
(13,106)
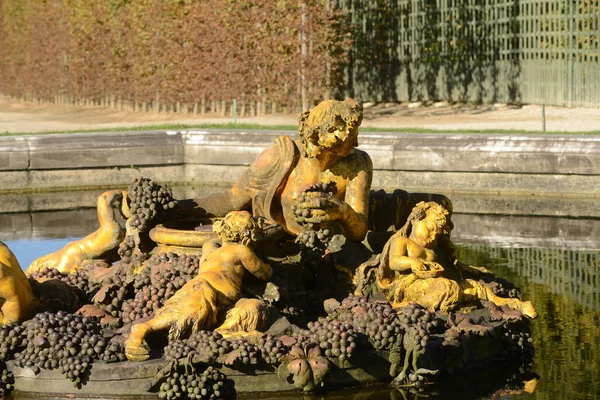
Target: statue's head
(332,125)
(239,227)
(436,217)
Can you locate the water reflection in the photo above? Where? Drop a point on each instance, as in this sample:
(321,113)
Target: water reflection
(564,286)
(563,283)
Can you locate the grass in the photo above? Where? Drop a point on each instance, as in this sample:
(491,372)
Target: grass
(294,128)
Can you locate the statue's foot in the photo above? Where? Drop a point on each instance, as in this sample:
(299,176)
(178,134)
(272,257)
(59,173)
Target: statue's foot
(528,310)
(136,350)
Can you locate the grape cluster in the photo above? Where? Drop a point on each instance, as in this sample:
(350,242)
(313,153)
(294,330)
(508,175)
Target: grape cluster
(337,339)
(210,384)
(419,324)
(7,380)
(313,194)
(378,322)
(147,200)
(113,352)
(66,341)
(127,251)
(152,290)
(245,353)
(272,350)
(78,279)
(142,296)
(211,344)
(314,239)
(10,340)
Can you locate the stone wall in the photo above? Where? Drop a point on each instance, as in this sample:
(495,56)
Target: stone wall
(505,174)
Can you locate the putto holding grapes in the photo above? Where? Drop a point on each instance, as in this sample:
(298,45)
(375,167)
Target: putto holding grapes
(277,276)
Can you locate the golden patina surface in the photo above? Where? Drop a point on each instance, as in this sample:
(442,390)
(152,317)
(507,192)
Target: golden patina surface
(421,268)
(16,297)
(203,301)
(94,246)
(326,152)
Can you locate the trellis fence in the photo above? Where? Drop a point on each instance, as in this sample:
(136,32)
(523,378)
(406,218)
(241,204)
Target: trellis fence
(574,273)
(192,56)
(526,51)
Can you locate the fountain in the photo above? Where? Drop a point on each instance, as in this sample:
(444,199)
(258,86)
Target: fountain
(297,278)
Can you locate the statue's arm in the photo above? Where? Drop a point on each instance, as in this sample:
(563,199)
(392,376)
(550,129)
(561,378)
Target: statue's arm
(255,265)
(401,258)
(239,197)
(355,216)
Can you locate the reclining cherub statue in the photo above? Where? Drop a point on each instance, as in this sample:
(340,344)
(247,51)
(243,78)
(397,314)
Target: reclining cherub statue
(96,245)
(202,302)
(422,268)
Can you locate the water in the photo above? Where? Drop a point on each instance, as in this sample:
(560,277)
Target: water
(27,250)
(562,281)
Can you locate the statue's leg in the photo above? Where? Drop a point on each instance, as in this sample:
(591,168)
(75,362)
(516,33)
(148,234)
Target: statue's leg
(14,311)
(102,241)
(475,290)
(135,347)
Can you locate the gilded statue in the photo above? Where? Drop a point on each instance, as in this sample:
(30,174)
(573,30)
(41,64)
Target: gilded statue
(96,245)
(200,304)
(16,296)
(421,268)
(326,152)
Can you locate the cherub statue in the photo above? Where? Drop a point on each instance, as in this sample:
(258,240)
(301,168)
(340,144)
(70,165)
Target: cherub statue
(203,301)
(326,152)
(422,268)
(16,296)
(95,245)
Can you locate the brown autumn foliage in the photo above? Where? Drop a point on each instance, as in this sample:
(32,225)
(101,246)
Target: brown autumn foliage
(170,52)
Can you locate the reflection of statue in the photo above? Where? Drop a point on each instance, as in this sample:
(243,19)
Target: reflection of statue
(16,297)
(200,303)
(325,153)
(93,246)
(422,269)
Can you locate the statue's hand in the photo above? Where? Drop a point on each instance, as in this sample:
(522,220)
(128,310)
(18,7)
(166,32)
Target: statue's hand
(322,207)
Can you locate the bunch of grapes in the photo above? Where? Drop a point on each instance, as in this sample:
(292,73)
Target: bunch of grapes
(177,349)
(152,290)
(147,200)
(246,353)
(314,239)
(7,380)
(113,352)
(128,252)
(148,291)
(377,322)
(419,324)
(209,384)
(272,350)
(66,341)
(337,339)
(211,344)
(11,340)
(78,279)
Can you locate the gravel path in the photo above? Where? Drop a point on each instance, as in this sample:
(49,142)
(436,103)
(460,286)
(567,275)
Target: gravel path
(28,117)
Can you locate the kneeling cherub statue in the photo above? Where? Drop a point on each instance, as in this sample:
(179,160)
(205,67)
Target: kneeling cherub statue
(421,268)
(203,301)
